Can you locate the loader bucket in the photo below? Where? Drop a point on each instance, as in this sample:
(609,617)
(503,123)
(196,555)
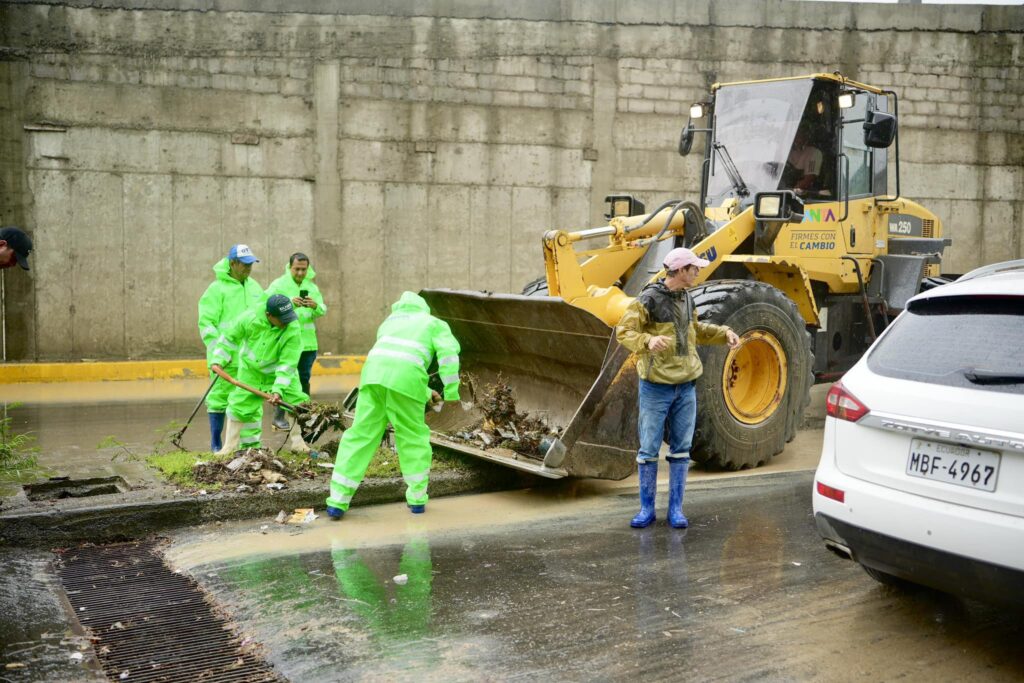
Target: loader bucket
(562,364)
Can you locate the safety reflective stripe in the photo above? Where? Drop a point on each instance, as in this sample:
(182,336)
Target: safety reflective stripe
(449,379)
(284,368)
(341,500)
(309,326)
(402,316)
(407,343)
(224,341)
(342,480)
(222,353)
(416,478)
(251,425)
(401,355)
(448,360)
(208,330)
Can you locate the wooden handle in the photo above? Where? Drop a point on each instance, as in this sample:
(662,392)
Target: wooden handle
(262,394)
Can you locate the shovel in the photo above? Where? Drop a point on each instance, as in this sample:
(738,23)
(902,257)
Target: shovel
(262,394)
(176,441)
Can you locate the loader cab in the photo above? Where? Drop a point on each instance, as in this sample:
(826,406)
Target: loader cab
(789,134)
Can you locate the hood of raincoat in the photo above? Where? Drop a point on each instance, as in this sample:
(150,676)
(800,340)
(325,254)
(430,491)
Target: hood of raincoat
(410,302)
(310,273)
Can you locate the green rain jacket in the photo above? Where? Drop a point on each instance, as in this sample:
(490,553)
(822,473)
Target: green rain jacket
(223,301)
(267,356)
(407,341)
(286,285)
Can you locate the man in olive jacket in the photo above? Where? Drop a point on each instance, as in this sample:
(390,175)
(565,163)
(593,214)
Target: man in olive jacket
(660,326)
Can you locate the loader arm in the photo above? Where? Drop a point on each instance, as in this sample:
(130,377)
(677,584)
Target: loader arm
(589,279)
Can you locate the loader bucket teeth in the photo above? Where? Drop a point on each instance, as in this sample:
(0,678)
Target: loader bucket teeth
(563,365)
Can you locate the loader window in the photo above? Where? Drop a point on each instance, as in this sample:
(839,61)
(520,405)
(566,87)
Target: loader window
(858,154)
(781,135)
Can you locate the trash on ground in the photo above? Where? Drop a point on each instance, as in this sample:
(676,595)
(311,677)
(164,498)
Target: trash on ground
(401,579)
(301,516)
(275,486)
(281,516)
(502,426)
(252,468)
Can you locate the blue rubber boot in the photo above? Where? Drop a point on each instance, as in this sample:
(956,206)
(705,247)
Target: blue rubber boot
(335,513)
(417,509)
(216,429)
(677,470)
(648,490)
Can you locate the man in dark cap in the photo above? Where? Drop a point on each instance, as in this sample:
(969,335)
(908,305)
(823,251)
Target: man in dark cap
(266,345)
(15,246)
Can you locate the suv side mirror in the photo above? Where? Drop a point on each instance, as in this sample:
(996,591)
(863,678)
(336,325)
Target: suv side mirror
(686,139)
(879,129)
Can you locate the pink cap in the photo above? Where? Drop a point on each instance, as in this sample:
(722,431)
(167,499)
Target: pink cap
(682,257)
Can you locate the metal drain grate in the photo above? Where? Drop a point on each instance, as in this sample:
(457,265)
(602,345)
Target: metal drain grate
(150,622)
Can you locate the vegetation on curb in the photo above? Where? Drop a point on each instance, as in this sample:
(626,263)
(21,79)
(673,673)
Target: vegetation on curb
(178,467)
(18,462)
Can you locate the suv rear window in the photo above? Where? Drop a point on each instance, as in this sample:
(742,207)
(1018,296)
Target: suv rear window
(975,343)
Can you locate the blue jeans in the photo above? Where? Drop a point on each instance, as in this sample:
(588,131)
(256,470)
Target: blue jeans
(306,369)
(667,412)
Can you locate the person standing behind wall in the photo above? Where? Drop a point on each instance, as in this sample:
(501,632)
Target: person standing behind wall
(232,293)
(298,284)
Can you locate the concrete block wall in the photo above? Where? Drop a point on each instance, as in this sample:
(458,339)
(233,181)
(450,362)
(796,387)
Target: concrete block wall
(409,143)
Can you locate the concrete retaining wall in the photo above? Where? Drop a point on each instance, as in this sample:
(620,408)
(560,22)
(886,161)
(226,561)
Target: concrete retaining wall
(415,143)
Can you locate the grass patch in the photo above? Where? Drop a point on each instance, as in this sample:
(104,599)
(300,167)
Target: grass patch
(18,463)
(176,467)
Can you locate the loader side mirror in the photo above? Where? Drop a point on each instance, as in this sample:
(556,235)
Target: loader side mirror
(879,129)
(686,139)
(778,207)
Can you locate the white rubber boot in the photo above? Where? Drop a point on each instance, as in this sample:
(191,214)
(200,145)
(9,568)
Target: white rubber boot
(296,444)
(231,439)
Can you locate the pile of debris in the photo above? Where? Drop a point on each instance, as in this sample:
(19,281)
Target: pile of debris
(318,418)
(503,427)
(250,469)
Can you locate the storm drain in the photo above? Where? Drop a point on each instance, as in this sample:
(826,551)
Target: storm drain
(149,623)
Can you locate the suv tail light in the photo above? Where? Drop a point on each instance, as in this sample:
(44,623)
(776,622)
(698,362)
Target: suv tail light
(841,404)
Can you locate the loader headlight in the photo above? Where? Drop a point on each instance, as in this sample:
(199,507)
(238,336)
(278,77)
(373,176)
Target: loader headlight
(778,207)
(697,110)
(846,100)
(769,205)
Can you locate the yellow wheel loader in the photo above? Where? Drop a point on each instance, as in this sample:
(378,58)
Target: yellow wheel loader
(810,258)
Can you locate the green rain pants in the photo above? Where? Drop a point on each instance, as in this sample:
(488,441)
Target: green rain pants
(376,407)
(217,399)
(247,408)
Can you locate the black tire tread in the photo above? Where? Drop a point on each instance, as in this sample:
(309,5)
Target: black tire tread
(714,301)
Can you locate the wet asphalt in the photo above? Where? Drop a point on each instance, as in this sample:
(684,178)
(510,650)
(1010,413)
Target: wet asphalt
(747,593)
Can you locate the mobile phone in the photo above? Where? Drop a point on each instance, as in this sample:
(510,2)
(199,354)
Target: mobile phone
(303,293)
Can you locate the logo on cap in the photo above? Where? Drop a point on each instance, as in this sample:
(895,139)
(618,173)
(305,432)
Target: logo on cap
(242,252)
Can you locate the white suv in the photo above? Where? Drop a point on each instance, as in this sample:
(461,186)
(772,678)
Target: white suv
(921,476)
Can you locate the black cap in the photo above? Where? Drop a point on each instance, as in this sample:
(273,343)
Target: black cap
(19,242)
(280,306)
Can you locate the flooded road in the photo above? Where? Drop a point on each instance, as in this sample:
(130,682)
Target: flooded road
(506,587)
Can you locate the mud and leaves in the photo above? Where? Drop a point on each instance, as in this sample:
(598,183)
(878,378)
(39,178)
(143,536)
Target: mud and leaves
(245,470)
(502,425)
(17,454)
(320,418)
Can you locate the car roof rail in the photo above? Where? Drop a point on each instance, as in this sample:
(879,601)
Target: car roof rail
(993,269)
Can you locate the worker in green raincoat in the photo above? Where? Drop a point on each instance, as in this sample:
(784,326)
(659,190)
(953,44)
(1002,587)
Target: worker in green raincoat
(298,284)
(393,388)
(266,347)
(232,293)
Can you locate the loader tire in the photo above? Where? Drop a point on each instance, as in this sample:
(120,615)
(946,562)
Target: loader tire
(750,401)
(538,287)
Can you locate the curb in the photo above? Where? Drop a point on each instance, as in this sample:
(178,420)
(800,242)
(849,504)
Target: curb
(185,368)
(125,521)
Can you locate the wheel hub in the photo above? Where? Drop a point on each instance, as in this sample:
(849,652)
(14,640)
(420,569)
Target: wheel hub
(754,377)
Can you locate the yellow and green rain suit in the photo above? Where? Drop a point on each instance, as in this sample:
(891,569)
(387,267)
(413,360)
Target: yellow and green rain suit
(221,304)
(393,388)
(267,357)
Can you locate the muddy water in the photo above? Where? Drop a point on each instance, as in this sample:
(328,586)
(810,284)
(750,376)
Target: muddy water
(555,586)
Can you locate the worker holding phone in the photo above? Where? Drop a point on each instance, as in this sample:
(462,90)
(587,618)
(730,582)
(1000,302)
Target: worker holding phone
(298,284)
